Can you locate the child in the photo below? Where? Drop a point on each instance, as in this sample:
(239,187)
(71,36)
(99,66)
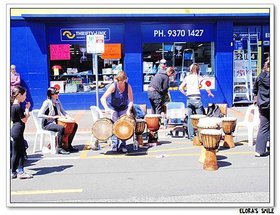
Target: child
(19,118)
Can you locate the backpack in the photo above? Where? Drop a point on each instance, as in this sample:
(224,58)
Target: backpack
(214,110)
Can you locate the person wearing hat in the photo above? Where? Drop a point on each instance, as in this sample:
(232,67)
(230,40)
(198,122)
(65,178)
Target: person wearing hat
(158,89)
(50,111)
(162,65)
(118,100)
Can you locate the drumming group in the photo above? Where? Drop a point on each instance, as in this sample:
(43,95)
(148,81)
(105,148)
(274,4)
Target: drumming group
(122,123)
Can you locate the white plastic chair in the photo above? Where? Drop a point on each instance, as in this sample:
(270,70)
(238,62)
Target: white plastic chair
(41,132)
(250,123)
(175,114)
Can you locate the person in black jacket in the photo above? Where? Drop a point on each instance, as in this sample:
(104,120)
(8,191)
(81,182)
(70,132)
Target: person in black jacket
(158,89)
(262,91)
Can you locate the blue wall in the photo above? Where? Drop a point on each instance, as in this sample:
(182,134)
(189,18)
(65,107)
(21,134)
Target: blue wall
(29,50)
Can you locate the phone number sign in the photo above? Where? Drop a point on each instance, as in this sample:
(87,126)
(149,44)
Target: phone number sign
(179,32)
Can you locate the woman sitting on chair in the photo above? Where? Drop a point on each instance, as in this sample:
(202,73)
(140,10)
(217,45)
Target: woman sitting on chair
(50,111)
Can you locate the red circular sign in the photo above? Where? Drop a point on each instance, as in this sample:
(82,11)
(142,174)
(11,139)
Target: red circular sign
(208,83)
(57,86)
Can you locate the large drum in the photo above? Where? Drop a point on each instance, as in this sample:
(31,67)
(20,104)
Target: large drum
(206,123)
(228,125)
(68,125)
(124,127)
(102,129)
(195,119)
(153,124)
(210,139)
(139,129)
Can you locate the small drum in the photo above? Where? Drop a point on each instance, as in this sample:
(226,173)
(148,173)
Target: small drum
(210,139)
(228,125)
(124,127)
(153,121)
(139,129)
(153,124)
(102,129)
(68,125)
(195,118)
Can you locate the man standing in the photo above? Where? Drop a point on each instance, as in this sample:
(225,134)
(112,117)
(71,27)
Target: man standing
(158,88)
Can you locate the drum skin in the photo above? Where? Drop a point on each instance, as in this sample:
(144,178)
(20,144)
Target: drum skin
(153,121)
(102,129)
(124,127)
(68,125)
(195,119)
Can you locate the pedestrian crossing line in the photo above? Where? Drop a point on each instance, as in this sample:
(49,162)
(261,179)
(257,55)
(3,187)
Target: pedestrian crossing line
(39,192)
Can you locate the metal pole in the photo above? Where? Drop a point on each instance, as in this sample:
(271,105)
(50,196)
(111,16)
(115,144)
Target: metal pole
(94,59)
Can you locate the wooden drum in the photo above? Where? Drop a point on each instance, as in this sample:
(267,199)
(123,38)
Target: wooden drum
(210,139)
(195,119)
(139,129)
(124,127)
(153,124)
(68,125)
(206,123)
(102,129)
(228,125)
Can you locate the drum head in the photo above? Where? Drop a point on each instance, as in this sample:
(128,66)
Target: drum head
(123,129)
(102,129)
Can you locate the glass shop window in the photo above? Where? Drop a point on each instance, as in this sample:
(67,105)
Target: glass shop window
(179,55)
(71,67)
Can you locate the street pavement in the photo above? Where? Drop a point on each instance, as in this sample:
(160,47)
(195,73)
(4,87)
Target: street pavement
(167,174)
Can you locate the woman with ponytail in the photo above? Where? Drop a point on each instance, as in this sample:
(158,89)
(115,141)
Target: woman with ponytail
(18,117)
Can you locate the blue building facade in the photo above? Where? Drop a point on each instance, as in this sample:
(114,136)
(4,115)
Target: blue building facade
(31,36)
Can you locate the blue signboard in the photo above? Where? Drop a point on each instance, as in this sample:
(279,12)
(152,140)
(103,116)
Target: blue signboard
(178,32)
(113,33)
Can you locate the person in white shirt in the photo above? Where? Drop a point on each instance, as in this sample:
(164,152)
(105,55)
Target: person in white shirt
(194,105)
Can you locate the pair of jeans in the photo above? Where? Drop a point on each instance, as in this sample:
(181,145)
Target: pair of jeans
(156,102)
(194,106)
(115,140)
(264,131)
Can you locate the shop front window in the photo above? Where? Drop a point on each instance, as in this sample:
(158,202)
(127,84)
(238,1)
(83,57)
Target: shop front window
(179,55)
(71,70)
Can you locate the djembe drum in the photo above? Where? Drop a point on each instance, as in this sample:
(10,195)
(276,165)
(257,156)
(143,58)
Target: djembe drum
(210,139)
(124,127)
(195,118)
(139,129)
(102,129)
(68,125)
(153,124)
(228,125)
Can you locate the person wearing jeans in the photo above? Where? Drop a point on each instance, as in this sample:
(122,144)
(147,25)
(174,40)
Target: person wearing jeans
(118,100)
(194,104)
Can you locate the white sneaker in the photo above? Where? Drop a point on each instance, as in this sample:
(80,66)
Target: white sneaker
(114,149)
(124,150)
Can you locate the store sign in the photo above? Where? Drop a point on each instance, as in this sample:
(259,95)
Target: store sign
(79,34)
(112,51)
(178,32)
(95,43)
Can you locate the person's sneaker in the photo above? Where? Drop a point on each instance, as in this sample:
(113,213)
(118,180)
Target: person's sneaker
(24,175)
(258,154)
(73,149)
(114,149)
(124,150)
(14,175)
(62,151)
